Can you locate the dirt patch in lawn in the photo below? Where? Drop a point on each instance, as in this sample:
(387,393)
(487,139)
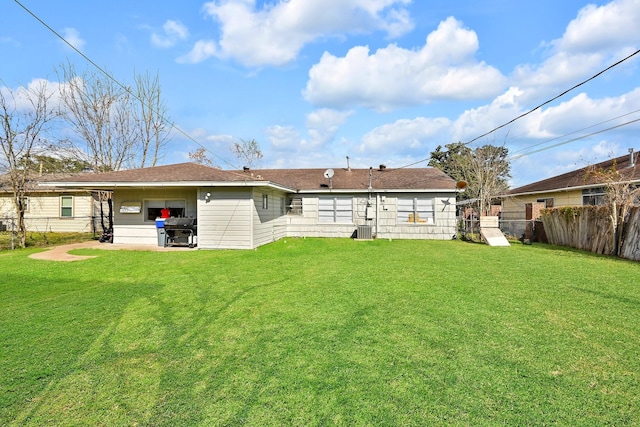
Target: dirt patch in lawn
(61,253)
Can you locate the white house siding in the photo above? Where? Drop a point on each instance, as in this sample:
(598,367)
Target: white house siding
(308,224)
(269,224)
(389,227)
(225,220)
(135,228)
(380,211)
(43,214)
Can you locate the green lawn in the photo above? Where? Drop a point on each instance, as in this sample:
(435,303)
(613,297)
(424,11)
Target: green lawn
(321,332)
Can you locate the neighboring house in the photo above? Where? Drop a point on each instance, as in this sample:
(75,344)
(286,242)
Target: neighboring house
(247,209)
(50,209)
(576,188)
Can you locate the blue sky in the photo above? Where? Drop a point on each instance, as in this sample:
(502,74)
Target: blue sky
(380,81)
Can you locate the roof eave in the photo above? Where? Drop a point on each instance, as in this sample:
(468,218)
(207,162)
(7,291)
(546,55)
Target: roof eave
(563,190)
(150,184)
(376,190)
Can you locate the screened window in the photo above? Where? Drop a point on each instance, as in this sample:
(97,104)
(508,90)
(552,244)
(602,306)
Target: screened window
(594,196)
(415,210)
(66,206)
(335,209)
(153,208)
(295,206)
(548,203)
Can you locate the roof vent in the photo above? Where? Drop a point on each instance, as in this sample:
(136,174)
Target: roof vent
(632,162)
(383,167)
(246,168)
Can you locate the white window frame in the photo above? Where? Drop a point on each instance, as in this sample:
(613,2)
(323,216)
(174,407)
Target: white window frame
(265,201)
(416,210)
(63,206)
(335,209)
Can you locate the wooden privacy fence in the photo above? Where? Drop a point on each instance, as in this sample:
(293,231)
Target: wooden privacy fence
(590,228)
(631,244)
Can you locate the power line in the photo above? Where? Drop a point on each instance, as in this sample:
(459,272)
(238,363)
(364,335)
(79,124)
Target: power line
(545,103)
(575,139)
(122,86)
(554,98)
(571,133)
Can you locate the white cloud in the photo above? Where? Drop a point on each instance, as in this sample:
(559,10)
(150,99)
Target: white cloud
(444,68)
(72,36)
(283,137)
(174,31)
(601,27)
(323,125)
(275,34)
(202,50)
(419,134)
(19,98)
(596,38)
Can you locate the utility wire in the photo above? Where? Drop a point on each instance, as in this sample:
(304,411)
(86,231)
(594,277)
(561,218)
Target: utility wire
(554,98)
(125,88)
(570,133)
(543,104)
(574,139)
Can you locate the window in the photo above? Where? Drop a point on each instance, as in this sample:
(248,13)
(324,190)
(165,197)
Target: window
(335,209)
(415,210)
(295,206)
(66,206)
(594,196)
(548,203)
(265,201)
(153,208)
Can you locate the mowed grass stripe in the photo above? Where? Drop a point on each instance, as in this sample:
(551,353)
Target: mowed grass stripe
(321,331)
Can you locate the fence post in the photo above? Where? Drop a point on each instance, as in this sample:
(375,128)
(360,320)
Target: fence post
(13,233)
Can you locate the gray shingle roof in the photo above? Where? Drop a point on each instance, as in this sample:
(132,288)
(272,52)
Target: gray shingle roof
(581,178)
(358,179)
(297,179)
(181,172)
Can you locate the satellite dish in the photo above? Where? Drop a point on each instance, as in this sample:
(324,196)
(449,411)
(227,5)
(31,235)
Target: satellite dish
(461,185)
(328,173)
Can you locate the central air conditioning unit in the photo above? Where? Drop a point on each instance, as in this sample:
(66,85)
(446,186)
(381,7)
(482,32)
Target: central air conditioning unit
(364,232)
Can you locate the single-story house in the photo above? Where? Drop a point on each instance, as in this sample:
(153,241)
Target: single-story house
(50,209)
(249,208)
(576,188)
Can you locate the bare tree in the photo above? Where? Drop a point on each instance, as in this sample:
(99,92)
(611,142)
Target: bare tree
(489,170)
(151,119)
(248,152)
(200,156)
(26,115)
(116,126)
(485,169)
(100,113)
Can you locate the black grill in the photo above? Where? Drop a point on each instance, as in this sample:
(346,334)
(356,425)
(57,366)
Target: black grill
(181,231)
(181,224)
